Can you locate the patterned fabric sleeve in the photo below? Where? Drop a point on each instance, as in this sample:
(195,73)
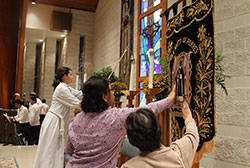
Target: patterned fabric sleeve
(156,107)
(69,147)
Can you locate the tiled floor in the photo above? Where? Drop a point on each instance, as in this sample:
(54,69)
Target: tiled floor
(25,155)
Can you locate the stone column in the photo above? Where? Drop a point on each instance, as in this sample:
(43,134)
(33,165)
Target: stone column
(29,69)
(49,69)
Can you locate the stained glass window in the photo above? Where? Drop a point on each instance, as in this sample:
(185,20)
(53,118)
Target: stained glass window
(145,45)
(148,4)
(142,97)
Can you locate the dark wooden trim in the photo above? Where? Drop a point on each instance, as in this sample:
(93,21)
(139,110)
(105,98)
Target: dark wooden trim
(166,114)
(138,51)
(150,11)
(19,76)
(9,32)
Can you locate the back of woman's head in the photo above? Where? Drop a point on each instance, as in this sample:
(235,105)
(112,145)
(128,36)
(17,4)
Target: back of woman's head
(93,90)
(144,130)
(59,75)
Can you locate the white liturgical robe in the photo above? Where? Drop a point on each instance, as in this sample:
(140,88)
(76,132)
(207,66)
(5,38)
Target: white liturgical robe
(50,151)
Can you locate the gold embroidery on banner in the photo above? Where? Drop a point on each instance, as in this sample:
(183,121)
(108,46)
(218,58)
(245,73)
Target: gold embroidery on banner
(203,86)
(174,25)
(169,51)
(196,10)
(175,125)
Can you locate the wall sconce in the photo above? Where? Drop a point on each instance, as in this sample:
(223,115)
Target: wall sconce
(33,2)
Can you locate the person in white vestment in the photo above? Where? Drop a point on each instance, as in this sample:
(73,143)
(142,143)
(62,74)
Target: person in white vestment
(50,151)
(23,118)
(38,101)
(44,110)
(34,119)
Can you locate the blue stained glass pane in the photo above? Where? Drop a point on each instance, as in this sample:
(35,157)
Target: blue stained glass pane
(143,65)
(157,38)
(157,67)
(142,99)
(140,85)
(145,45)
(142,96)
(157,53)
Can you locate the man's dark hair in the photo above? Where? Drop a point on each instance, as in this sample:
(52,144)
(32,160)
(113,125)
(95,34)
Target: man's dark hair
(32,94)
(43,100)
(33,99)
(144,130)
(18,101)
(93,90)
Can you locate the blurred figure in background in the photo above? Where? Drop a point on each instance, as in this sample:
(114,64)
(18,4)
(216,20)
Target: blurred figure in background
(34,116)
(12,101)
(44,110)
(23,118)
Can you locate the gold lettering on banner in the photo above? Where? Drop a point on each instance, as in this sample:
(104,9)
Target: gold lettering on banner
(189,42)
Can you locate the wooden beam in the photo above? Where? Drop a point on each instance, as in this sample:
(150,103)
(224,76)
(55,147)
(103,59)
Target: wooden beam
(150,11)
(9,30)
(138,52)
(21,48)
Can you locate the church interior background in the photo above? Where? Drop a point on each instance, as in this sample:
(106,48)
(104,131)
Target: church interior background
(99,38)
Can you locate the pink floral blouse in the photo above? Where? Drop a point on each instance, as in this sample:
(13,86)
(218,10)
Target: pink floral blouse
(94,139)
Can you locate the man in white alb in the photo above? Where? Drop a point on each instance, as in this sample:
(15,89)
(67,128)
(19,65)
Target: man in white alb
(34,118)
(44,110)
(23,118)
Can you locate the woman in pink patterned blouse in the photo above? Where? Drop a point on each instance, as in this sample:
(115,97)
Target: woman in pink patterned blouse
(96,134)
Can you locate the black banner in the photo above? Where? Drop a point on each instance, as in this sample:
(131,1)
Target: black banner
(191,32)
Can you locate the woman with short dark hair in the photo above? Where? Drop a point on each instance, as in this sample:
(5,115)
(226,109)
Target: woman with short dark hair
(50,151)
(144,132)
(96,134)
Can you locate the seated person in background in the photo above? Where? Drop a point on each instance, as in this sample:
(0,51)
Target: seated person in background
(12,101)
(144,132)
(96,134)
(34,117)
(44,110)
(23,118)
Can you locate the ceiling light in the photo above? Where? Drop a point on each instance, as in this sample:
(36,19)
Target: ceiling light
(33,2)
(41,40)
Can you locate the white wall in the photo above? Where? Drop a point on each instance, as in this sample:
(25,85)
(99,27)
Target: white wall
(107,35)
(39,15)
(29,69)
(49,69)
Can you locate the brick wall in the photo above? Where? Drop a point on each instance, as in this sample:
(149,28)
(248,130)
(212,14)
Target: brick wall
(82,25)
(49,69)
(42,69)
(232,142)
(29,69)
(107,35)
